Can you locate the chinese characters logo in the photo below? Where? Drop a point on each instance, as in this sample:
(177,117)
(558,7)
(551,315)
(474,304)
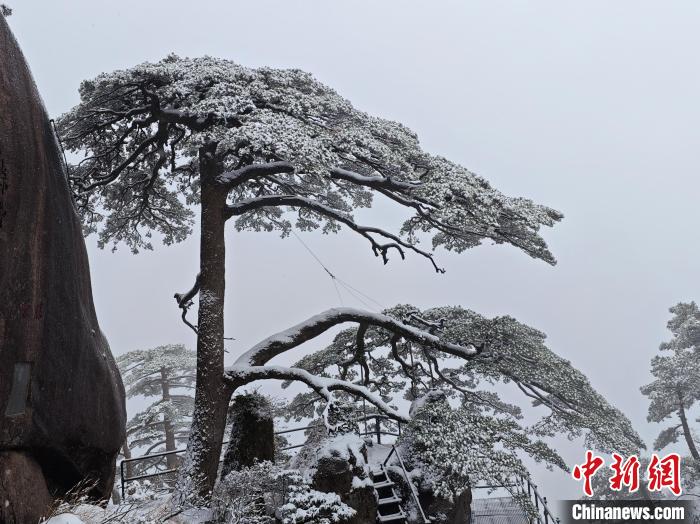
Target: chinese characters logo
(662,473)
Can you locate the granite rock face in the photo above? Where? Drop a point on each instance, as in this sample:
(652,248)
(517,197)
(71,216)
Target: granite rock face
(62,410)
(252,433)
(457,511)
(342,469)
(28,492)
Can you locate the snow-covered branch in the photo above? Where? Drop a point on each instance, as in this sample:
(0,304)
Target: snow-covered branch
(379,249)
(283,341)
(374,181)
(231,179)
(324,386)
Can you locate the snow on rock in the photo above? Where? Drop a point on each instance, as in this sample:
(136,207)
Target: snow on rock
(66,518)
(346,446)
(435,395)
(341,468)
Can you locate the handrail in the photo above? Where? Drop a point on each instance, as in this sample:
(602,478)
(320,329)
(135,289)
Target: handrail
(539,502)
(377,432)
(522,480)
(395,451)
(539,499)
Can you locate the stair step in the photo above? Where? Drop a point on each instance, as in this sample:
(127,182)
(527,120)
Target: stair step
(383,484)
(394,499)
(392,518)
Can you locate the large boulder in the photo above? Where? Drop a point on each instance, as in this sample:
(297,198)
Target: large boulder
(341,467)
(252,433)
(61,397)
(27,492)
(446,511)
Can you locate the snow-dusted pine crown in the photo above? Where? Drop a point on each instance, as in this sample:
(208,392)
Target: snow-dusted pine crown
(141,130)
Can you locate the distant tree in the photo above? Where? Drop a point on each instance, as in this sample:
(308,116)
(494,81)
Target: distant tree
(676,387)
(164,374)
(5,10)
(255,145)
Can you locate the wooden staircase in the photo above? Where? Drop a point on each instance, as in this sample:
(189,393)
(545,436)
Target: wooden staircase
(388,501)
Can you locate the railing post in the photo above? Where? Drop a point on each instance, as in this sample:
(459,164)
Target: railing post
(121,475)
(408,481)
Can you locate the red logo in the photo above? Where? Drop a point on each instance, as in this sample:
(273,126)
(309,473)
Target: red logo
(665,473)
(626,473)
(661,473)
(586,471)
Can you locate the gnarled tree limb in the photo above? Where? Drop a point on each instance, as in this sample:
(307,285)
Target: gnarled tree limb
(231,179)
(397,243)
(324,386)
(184,302)
(277,344)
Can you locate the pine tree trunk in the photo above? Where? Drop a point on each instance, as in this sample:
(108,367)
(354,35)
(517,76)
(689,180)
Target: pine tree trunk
(129,467)
(688,436)
(171,460)
(198,474)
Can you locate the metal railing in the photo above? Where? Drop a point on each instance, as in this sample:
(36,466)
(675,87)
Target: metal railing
(525,486)
(414,494)
(376,432)
(539,500)
(524,483)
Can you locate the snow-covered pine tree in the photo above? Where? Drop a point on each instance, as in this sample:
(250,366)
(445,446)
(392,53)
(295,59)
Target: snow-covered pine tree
(483,434)
(676,385)
(249,146)
(164,375)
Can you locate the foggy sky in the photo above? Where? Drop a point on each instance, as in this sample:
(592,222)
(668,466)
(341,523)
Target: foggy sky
(588,107)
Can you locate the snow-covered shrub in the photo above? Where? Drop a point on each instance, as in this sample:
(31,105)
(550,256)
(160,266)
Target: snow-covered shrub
(5,10)
(340,417)
(141,490)
(305,505)
(264,492)
(249,496)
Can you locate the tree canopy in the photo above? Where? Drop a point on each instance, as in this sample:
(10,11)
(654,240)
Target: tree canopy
(284,139)
(506,352)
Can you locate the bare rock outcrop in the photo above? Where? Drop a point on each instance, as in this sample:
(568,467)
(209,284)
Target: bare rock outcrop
(342,468)
(62,411)
(252,436)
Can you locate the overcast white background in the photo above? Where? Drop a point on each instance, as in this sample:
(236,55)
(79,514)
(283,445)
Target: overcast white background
(589,107)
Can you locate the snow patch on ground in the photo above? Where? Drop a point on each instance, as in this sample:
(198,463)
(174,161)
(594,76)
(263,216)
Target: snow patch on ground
(343,446)
(158,510)
(65,518)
